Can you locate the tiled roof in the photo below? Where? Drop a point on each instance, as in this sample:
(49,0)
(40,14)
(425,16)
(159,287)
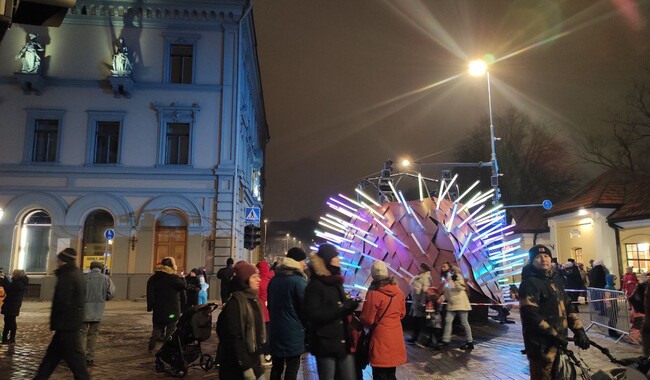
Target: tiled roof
(627,192)
(529,220)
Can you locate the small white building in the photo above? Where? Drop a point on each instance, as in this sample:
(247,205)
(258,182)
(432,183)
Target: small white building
(145,118)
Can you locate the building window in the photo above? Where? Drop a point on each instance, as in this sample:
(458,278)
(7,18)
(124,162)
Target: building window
(104,144)
(95,245)
(180,57)
(178,144)
(176,134)
(43,137)
(577,255)
(638,257)
(35,242)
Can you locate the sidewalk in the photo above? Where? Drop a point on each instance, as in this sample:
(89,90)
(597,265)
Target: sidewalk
(122,352)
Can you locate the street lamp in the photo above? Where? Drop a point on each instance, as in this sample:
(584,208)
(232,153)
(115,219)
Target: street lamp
(287,244)
(478,68)
(266,226)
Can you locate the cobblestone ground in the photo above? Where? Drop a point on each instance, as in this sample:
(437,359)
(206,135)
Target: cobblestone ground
(122,350)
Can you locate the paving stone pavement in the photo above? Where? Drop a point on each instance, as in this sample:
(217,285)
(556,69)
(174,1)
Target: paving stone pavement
(122,350)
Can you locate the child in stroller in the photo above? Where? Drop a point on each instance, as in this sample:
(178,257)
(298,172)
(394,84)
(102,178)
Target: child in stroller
(184,345)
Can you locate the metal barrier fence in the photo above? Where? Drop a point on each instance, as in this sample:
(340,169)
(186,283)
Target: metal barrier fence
(609,309)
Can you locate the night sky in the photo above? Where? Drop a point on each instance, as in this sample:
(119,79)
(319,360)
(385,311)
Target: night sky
(348,84)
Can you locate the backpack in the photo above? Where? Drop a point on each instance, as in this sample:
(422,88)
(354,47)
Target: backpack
(637,298)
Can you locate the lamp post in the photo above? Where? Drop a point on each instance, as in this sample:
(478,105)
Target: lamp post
(264,248)
(286,246)
(478,68)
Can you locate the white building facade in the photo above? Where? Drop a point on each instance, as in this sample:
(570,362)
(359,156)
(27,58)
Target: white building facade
(167,151)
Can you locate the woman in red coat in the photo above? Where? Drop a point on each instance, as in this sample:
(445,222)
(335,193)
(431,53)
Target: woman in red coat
(387,349)
(265,276)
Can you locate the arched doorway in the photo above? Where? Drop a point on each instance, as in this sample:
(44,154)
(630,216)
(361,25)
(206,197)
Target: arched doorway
(94,244)
(171,238)
(34,242)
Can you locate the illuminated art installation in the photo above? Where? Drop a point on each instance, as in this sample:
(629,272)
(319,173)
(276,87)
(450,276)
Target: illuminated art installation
(432,230)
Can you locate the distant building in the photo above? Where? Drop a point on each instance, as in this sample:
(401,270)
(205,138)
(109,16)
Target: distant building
(144,117)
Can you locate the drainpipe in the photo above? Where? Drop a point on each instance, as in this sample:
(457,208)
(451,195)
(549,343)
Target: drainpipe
(619,254)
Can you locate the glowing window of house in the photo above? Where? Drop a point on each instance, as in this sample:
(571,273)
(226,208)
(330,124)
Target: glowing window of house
(638,257)
(577,255)
(35,242)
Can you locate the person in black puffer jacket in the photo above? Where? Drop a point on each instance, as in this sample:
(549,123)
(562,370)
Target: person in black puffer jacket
(240,327)
(15,290)
(66,319)
(326,311)
(546,315)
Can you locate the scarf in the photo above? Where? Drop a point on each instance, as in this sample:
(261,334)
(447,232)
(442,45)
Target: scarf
(247,318)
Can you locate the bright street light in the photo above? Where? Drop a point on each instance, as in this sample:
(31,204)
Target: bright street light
(406,163)
(477,68)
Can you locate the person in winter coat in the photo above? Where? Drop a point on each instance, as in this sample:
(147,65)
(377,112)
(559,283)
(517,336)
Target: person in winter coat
(597,275)
(573,281)
(629,282)
(286,294)
(455,294)
(192,291)
(225,275)
(203,293)
(99,289)
(546,315)
(165,295)
(240,327)
(326,311)
(645,328)
(265,276)
(384,300)
(14,293)
(66,319)
(419,285)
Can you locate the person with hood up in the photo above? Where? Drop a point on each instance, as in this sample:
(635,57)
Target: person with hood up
(385,305)
(419,285)
(240,327)
(15,291)
(286,297)
(165,295)
(455,294)
(265,276)
(203,293)
(99,289)
(546,315)
(326,311)
(66,319)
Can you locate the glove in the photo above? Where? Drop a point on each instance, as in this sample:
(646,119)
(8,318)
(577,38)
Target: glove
(454,277)
(580,339)
(349,306)
(560,341)
(249,374)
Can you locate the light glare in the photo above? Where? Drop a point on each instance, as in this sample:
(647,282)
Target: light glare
(477,68)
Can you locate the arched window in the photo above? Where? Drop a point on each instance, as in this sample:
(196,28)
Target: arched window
(35,242)
(94,242)
(171,219)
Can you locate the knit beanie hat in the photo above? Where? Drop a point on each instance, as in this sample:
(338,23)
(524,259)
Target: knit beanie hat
(536,250)
(378,271)
(297,254)
(327,252)
(68,255)
(244,270)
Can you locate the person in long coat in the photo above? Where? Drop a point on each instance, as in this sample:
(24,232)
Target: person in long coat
(455,294)
(265,276)
(384,300)
(419,285)
(286,297)
(15,291)
(165,295)
(240,327)
(99,289)
(326,311)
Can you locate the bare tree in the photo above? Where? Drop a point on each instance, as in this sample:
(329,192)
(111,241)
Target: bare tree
(535,163)
(626,144)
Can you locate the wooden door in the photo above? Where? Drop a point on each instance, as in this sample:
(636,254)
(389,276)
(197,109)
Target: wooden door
(171,241)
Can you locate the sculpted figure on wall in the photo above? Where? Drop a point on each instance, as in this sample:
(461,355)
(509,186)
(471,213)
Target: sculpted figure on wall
(121,63)
(29,55)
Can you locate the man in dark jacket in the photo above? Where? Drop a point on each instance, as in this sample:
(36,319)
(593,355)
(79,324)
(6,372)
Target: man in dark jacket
(326,310)
(165,295)
(66,319)
(598,275)
(546,315)
(225,274)
(286,294)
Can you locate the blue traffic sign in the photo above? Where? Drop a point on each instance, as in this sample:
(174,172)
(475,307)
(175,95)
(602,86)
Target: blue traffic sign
(109,234)
(547,204)
(252,215)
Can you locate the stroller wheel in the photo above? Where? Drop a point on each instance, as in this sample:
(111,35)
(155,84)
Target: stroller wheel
(207,362)
(160,366)
(180,372)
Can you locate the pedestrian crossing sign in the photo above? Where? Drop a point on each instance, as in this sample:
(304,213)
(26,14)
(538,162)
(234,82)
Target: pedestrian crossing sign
(252,215)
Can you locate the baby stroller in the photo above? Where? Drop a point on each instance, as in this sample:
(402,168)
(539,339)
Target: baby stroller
(627,369)
(184,345)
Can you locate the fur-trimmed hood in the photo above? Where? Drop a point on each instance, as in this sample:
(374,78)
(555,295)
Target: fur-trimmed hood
(317,266)
(166,269)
